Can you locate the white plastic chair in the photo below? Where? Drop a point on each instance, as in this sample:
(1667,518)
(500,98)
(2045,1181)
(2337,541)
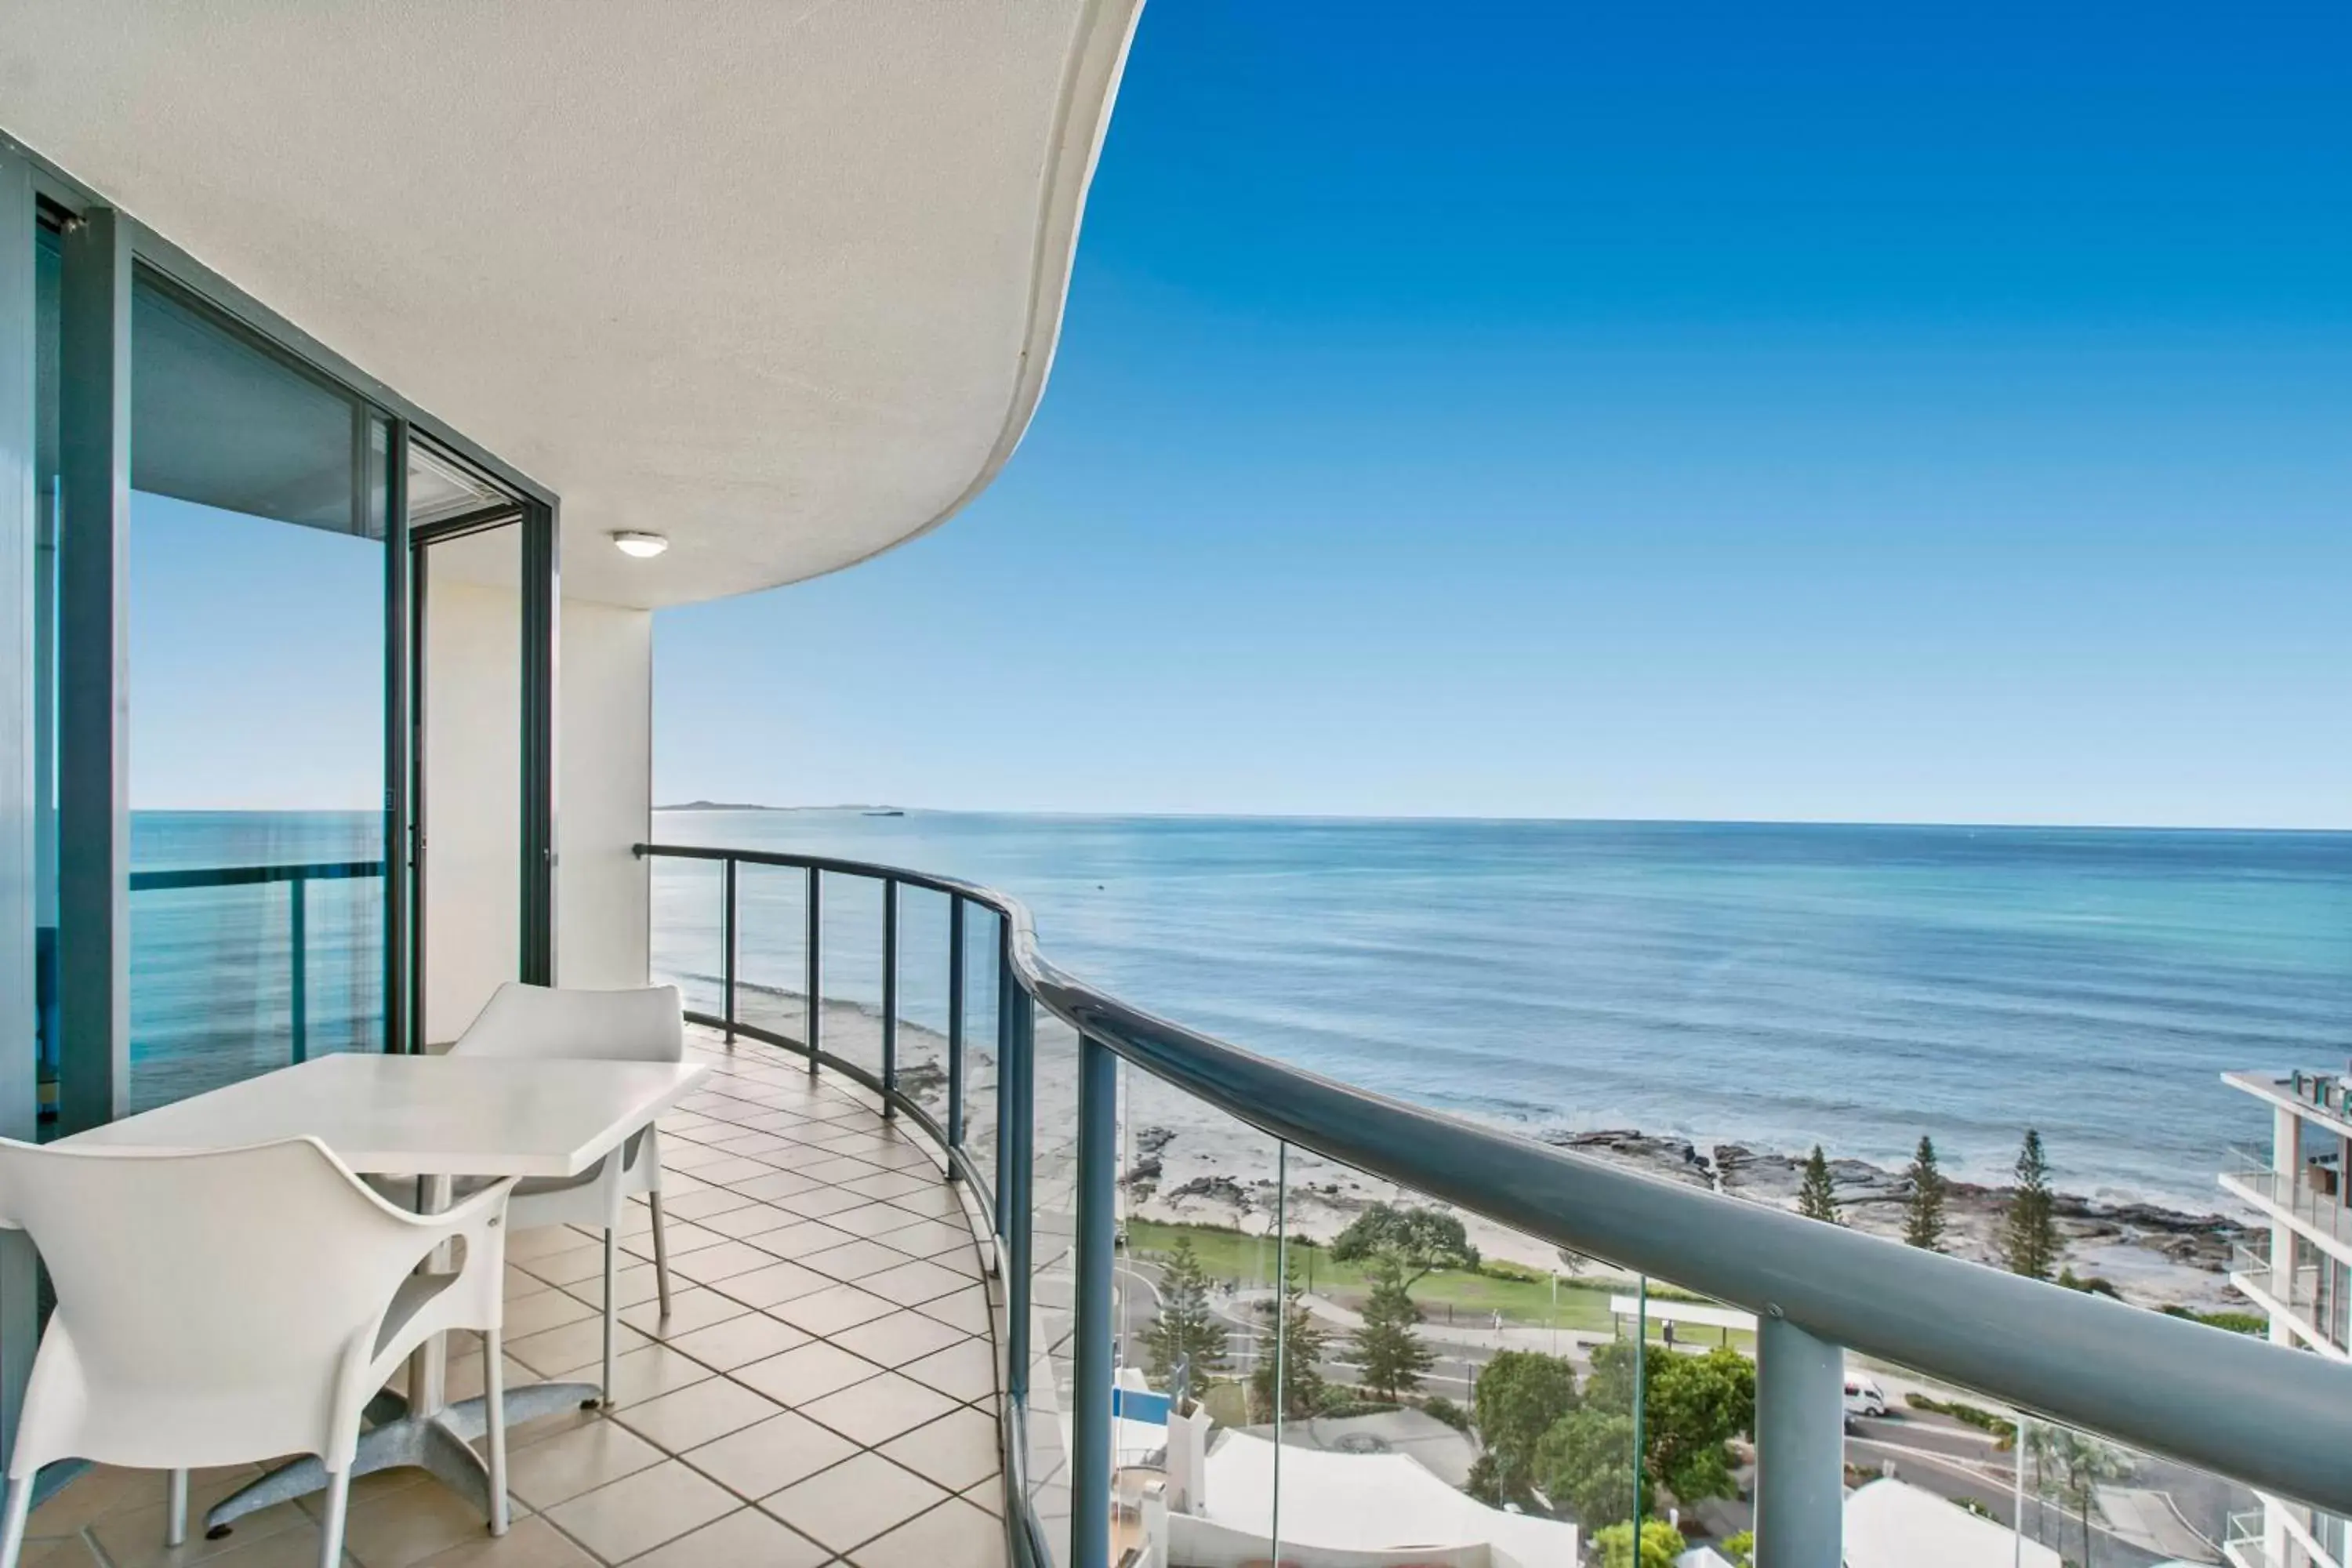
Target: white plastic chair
(231,1306)
(543,1023)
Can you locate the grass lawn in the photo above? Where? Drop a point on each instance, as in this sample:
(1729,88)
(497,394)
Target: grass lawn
(1472,1299)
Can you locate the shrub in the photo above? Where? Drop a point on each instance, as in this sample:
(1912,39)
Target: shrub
(1445,1410)
(2252,1323)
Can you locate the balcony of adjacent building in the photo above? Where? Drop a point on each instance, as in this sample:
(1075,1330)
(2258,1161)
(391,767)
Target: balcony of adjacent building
(2297,1297)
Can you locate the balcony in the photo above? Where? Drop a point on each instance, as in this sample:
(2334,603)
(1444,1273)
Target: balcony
(931,1226)
(2243,1545)
(2308,1094)
(2319,1214)
(826,1386)
(1128,1166)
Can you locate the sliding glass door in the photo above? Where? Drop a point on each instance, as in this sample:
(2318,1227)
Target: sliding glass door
(256,561)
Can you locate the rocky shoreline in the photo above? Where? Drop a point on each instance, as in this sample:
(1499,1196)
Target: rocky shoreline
(1186,1166)
(2153,1256)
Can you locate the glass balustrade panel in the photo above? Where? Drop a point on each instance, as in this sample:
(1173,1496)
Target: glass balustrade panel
(687,949)
(922,1045)
(850,971)
(1196,1460)
(772,949)
(1465,1391)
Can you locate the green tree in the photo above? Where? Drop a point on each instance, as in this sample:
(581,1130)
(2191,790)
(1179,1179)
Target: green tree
(1923,1211)
(1421,1240)
(1520,1394)
(1739,1548)
(1816,1199)
(1387,1349)
(2071,1466)
(1186,1333)
(1610,1383)
(1303,1344)
(1696,1404)
(1661,1544)
(1585,1463)
(2029,1230)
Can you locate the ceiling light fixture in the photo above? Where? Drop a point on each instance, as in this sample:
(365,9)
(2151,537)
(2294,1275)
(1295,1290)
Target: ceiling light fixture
(644,546)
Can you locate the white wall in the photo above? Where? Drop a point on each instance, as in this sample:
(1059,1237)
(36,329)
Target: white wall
(604,802)
(473,813)
(472,781)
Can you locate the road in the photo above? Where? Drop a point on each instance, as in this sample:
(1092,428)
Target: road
(1956,1461)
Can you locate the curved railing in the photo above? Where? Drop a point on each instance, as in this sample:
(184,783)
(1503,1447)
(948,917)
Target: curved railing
(2260,1413)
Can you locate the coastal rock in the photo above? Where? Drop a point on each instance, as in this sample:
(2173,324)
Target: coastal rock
(1674,1158)
(1221,1192)
(2155,1255)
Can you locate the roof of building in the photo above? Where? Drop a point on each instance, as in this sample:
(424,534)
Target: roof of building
(1365,1502)
(779,278)
(1893,1524)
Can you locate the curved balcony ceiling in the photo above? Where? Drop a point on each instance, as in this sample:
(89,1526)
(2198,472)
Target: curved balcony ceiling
(779,278)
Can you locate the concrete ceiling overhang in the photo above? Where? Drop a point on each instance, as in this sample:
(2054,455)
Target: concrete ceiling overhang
(779,278)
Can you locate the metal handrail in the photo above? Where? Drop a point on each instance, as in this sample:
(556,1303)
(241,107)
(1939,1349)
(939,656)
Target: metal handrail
(297,876)
(2201,1396)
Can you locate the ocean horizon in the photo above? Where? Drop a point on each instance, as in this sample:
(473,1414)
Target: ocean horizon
(1772,984)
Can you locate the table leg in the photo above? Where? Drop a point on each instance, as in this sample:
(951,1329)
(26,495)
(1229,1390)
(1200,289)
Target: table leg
(424,1430)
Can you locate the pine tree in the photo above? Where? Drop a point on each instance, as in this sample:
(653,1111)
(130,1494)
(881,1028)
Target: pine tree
(1389,1351)
(1186,1333)
(2030,1232)
(1304,1340)
(1815,1198)
(1923,1212)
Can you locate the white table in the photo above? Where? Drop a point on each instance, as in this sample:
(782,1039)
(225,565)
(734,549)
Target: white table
(435,1117)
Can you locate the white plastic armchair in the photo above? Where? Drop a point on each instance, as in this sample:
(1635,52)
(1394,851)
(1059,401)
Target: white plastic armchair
(544,1023)
(231,1306)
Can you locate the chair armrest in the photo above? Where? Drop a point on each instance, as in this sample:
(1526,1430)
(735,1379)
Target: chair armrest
(476,1214)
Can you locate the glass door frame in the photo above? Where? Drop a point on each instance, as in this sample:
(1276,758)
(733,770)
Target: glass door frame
(101,247)
(535,871)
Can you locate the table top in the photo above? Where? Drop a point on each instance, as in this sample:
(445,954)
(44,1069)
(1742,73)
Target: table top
(426,1115)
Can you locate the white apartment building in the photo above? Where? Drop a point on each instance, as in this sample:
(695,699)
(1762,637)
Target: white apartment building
(2301,1277)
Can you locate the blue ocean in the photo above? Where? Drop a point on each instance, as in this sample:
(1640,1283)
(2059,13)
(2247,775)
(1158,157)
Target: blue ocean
(1764,983)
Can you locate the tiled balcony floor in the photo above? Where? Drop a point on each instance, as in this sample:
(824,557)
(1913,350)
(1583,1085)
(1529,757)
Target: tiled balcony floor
(824,1392)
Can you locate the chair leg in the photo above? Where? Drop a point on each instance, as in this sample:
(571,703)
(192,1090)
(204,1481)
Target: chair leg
(175,1513)
(661,1253)
(330,1531)
(494,1407)
(20,1504)
(611,1307)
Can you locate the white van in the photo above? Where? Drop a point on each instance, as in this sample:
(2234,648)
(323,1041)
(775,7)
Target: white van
(1863,1394)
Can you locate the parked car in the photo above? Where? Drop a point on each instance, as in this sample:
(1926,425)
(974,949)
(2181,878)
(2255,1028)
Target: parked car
(1862,1395)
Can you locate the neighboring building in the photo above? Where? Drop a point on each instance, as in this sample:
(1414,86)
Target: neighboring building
(1217,1509)
(2300,1276)
(1893,1524)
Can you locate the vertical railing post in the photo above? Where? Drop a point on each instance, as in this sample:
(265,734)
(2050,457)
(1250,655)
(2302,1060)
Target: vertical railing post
(1004,989)
(1799,1447)
(298,970)
(1097,1195)
(889,996)
(815,964)
(955,1027)
(1021,1107)
(726,943)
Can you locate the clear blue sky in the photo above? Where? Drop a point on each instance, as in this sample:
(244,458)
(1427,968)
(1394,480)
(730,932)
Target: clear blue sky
(1841,412)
